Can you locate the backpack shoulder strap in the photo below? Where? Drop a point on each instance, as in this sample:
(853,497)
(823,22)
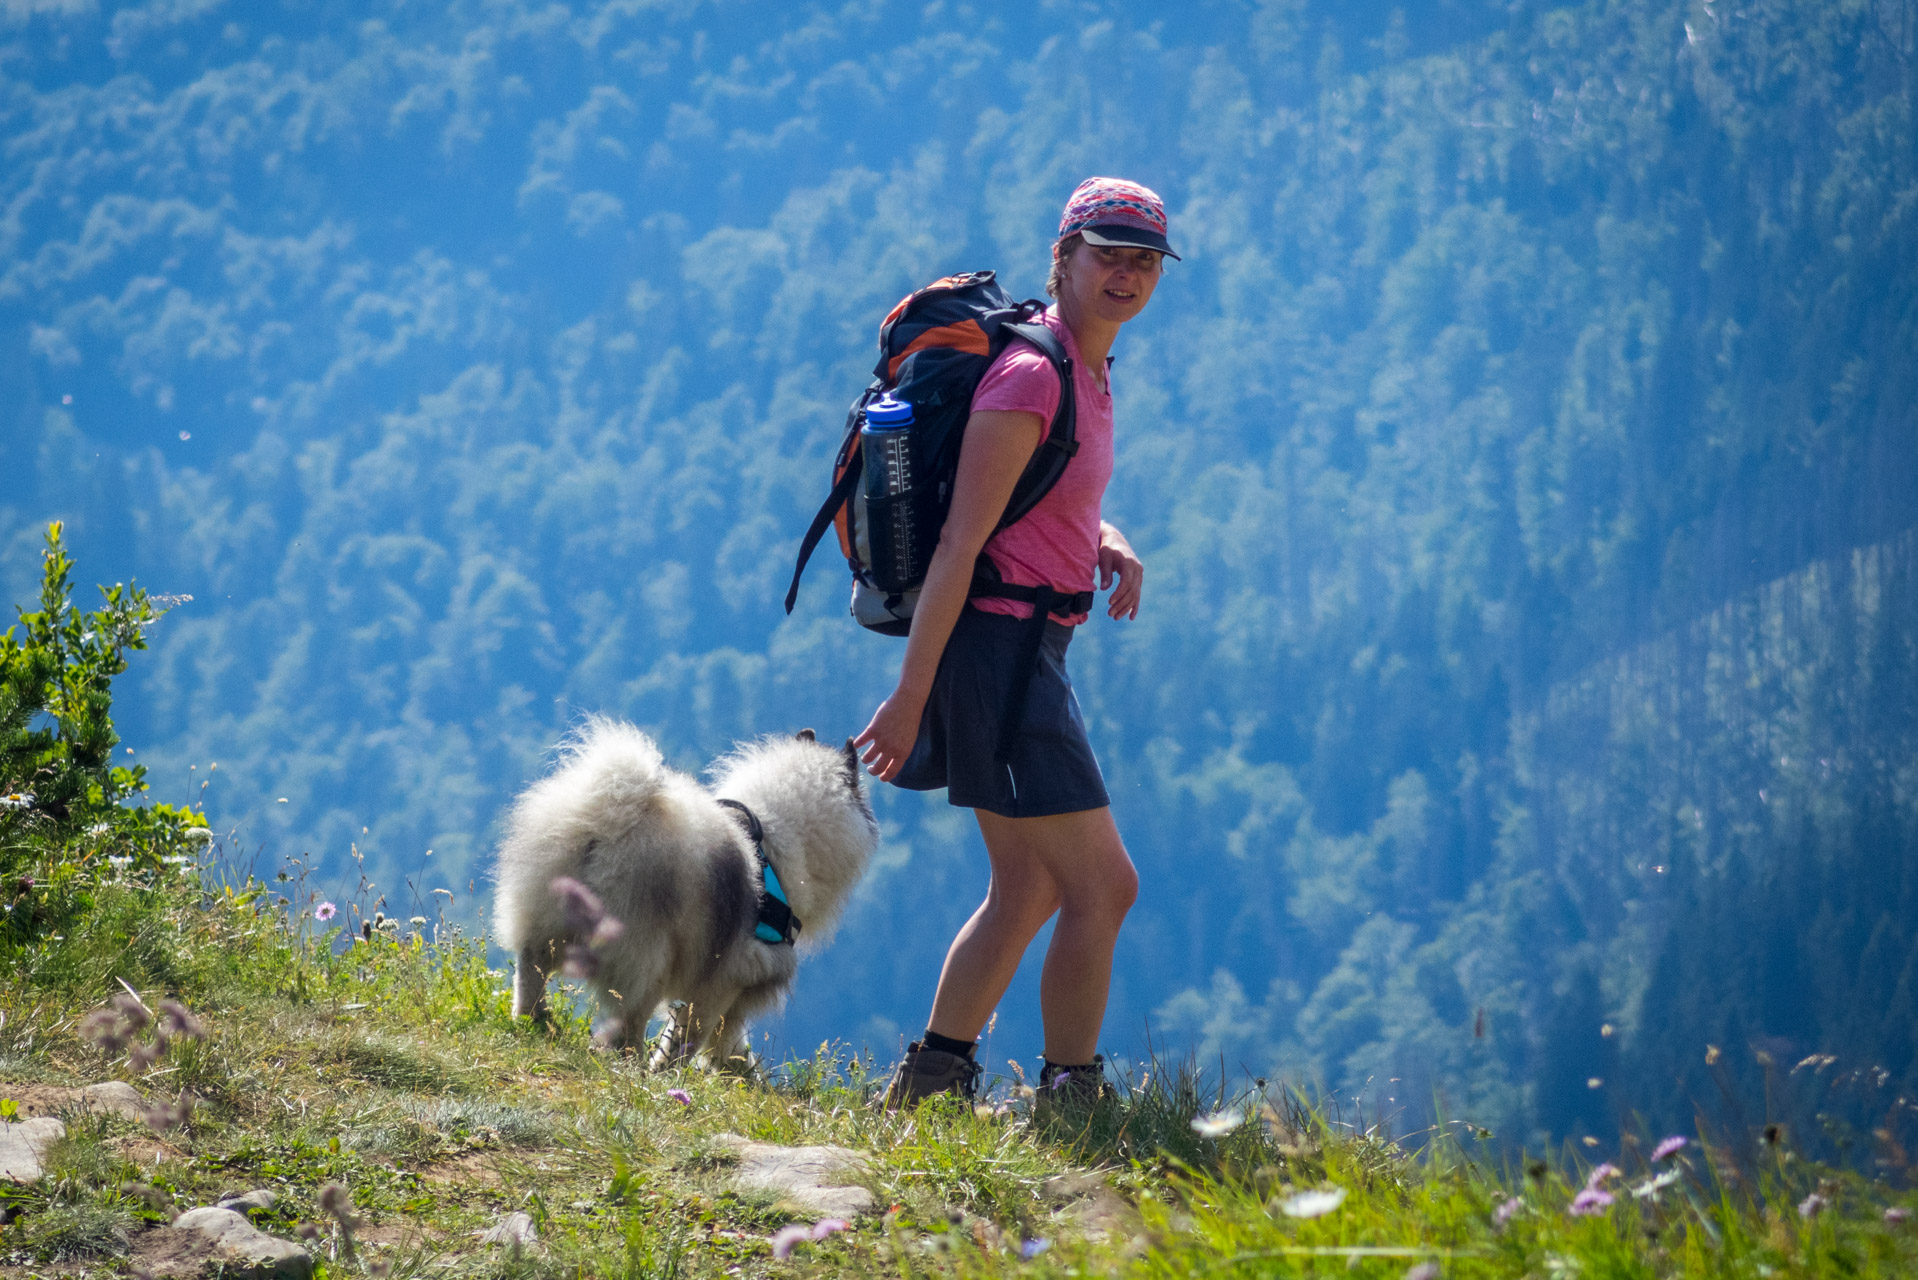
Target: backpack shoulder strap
(1061,441)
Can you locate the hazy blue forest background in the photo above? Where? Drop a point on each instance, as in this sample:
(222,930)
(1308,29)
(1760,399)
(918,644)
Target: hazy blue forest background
(1524,458)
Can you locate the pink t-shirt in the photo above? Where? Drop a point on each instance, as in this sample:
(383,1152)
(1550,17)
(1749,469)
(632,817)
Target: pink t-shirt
(1057,542)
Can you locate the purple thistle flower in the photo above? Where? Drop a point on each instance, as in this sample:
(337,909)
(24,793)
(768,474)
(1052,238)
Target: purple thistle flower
(1590,1202)
(1897,1216)
(826,1227)
(1505,1212)
(680,1096)
(786,1238)
(1670,1147)
(1812,1205)
(1030,1249)
(1601,1175)
(177,1020)
(582,906)
(325,911)
(581,962)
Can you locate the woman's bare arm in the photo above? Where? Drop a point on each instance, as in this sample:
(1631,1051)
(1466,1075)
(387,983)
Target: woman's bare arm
(997,446)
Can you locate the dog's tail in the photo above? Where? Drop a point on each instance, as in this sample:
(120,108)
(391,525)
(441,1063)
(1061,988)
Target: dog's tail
(608,778)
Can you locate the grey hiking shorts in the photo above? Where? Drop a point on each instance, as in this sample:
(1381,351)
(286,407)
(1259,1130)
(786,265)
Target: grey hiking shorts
(1049,767)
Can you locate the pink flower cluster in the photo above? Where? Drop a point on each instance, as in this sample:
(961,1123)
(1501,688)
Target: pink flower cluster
(786,1239)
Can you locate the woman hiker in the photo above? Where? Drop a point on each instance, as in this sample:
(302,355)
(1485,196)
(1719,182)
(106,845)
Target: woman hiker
(1039,797)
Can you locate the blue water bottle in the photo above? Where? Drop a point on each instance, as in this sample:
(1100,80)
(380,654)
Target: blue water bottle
(886,441)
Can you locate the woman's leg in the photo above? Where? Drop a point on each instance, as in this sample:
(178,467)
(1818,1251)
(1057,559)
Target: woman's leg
(1020,898)
(1072,863)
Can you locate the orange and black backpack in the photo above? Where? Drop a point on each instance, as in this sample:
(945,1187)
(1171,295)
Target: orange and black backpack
(934,347)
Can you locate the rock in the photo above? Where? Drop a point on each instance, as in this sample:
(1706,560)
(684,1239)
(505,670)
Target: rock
(222,1242)
(1085,1204)
(23,1142)
(250,1201)
(116,1096)
(811,1180)
(513,1229)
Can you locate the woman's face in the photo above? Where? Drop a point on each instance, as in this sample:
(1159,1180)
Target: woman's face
(1110,282)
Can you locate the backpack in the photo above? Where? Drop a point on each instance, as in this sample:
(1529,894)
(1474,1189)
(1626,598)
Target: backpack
(934,347)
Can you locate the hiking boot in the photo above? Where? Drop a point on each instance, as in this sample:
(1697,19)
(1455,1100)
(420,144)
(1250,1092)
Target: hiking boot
(924,1072)
(1063,1087)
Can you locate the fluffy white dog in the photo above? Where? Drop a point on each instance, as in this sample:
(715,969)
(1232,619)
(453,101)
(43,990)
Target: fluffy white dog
(649,886)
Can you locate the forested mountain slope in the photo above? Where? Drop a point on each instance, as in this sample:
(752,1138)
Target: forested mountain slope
(1523,458)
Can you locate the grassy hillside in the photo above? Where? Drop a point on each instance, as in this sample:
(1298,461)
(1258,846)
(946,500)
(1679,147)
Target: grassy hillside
(375,1082)
(391,1068)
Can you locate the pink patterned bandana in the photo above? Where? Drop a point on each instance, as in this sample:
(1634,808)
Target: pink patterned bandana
(1112,211)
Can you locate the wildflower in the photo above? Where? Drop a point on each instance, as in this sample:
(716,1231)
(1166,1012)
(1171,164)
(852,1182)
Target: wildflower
(581,963)
(1030,1249)
(1897,1216)
(1669,1147)
(1423,1271)
(1812,1205)
(325,911)
(162,1116)
(828,1226)
(1590,1201)
(1652,1186)
(17,800)
(1218,1124)
(338,1203)
(1602,1174)
(680,1096)
(581,905)
(786,1238)
(418,922)
(1312,1204)
(177,1020)
(1506,1212)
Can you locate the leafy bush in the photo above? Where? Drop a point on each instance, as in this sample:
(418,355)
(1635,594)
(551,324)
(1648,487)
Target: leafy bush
(65,827)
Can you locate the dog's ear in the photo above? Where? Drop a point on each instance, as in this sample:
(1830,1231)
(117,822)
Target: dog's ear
(804,735)
(851,756)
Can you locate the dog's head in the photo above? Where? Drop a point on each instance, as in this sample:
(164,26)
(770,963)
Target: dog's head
(820,830)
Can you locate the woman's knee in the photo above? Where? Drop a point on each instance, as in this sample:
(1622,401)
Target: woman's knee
(1106,897)
(1025,901)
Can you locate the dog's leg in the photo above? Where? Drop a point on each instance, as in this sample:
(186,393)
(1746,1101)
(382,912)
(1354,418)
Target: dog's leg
(529,984)
(733,1046)
(677,1039)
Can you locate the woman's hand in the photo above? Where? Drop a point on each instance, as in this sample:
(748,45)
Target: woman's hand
(889,738)
(1116,560)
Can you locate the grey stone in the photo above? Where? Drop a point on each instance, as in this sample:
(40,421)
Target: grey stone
(1085,1204)
(240,1248)
(116,1096)
(250,1201)
(23,1142)
(812,1180)
(514,1228)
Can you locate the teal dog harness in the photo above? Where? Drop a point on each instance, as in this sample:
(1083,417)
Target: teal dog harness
(777,924)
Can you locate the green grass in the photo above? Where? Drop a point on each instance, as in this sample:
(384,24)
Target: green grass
(391,1067)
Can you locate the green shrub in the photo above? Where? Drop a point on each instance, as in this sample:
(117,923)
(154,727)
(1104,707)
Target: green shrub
(66,829)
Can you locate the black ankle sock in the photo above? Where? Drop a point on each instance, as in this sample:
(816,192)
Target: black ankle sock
(946,1044)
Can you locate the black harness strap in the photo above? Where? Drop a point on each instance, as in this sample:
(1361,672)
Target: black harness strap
(1045,602)
(823,520)
(777,924)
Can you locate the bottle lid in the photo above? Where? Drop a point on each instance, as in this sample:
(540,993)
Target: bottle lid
(888,412)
